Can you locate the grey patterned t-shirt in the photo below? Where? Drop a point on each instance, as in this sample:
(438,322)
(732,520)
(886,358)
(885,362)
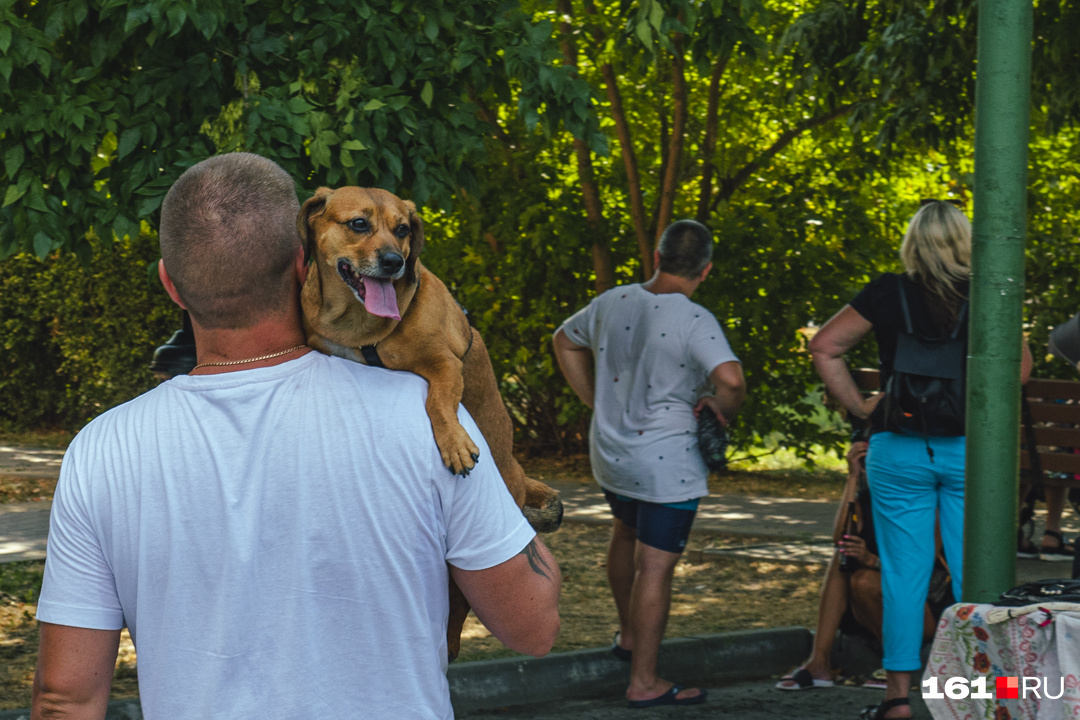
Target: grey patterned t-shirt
(652,356)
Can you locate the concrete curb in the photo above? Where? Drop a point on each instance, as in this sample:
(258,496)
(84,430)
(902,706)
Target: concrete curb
(490,684)
(581,674)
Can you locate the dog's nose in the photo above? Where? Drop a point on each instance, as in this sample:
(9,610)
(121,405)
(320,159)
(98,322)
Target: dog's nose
(391,262)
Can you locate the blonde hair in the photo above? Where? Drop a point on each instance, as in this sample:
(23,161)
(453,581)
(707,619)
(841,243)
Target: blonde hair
(936,252)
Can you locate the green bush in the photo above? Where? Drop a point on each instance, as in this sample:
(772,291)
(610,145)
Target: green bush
(78,335)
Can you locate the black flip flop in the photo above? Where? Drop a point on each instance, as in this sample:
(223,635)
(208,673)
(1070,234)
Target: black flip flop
(668,698)
(877,712)
(619,651)
(803,681)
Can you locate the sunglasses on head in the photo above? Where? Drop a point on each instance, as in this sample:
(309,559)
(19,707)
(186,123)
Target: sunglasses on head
(952,201)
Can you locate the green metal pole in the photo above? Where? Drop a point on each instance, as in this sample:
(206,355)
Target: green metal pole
(1002,107)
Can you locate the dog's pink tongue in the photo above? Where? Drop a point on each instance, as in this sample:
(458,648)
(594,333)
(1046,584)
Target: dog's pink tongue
(380,298)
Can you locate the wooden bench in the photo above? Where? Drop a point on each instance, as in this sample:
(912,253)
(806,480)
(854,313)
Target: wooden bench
(1055,414)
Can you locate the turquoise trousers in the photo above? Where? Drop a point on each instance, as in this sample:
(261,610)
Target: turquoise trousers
(909,492)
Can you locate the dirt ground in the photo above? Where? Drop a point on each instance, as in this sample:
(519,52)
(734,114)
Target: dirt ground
(19,489)
(710,597)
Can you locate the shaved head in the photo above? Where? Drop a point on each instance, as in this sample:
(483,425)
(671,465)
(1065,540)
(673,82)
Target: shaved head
(228,239)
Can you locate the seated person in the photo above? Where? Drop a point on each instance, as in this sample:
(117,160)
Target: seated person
(1054,546)
(851,601)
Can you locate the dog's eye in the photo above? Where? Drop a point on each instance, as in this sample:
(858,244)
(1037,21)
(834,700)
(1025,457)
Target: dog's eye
(402,231)
(358,224)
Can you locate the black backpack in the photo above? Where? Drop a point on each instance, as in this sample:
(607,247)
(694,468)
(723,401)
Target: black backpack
(925,394)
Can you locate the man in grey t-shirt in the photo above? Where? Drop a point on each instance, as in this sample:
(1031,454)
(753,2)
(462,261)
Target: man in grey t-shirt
(644,357)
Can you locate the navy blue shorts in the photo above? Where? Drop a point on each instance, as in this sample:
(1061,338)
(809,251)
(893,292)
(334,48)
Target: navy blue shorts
(664,527)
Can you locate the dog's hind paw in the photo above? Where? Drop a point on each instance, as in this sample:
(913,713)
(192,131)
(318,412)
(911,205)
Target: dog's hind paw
(546,519)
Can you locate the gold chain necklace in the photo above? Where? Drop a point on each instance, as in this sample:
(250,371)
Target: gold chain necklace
(250,360)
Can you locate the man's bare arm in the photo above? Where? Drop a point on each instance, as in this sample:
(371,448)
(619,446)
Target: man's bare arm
(730,386)
(518,600)
(576,363)
(74,672)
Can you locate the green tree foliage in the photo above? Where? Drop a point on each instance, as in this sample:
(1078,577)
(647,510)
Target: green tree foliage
(803,134)
(77,336)
(106,102)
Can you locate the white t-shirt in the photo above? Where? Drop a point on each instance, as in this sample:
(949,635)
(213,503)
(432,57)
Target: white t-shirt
(276,541)
(653,356)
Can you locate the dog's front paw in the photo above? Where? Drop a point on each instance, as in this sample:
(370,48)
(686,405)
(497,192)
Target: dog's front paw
(458,451)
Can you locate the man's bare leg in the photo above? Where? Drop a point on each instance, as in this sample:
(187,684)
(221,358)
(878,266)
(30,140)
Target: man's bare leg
(620,573)
(650,601)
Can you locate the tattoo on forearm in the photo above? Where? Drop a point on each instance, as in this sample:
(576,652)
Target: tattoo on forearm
(536,560)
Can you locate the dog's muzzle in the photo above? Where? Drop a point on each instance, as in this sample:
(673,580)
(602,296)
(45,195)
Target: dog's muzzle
(376,294)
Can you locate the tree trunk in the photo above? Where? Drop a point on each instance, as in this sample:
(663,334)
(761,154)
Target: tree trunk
(671,172)
(603,266)
(708,148)
(633,180)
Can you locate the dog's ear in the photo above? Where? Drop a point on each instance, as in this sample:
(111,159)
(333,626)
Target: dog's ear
(416,241)
(313,207)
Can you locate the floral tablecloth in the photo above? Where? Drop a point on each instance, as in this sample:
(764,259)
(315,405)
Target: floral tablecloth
(1043,644)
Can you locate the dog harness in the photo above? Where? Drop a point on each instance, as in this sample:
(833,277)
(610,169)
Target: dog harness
(371,355)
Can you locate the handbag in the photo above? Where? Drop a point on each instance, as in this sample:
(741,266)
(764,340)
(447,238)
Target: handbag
(1041,591)
(712,440)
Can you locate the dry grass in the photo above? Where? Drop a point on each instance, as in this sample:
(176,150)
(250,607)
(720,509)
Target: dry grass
(50,439)
(710,597)
(20,584)
(20,488)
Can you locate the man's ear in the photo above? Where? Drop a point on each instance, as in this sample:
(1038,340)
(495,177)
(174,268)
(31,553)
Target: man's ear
(655,261)
(313,207)
(705,272)
(300,267)
(168,283)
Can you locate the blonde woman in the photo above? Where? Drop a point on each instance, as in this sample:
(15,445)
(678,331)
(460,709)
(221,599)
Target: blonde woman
(915,471)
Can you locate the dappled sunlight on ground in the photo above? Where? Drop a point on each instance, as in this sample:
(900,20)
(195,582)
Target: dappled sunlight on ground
(719,595)
(474,629)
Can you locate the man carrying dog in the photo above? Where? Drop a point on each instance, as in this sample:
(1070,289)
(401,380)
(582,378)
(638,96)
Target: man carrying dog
(640,356)
(277,529)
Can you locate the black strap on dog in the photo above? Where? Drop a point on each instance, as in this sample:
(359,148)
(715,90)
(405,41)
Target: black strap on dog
(371,356)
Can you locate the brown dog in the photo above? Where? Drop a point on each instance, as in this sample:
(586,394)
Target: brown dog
(369,299)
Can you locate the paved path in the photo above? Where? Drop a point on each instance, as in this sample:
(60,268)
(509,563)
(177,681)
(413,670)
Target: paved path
(24,527)
(795,518)
(34,462)
(798,529)
(807,523)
